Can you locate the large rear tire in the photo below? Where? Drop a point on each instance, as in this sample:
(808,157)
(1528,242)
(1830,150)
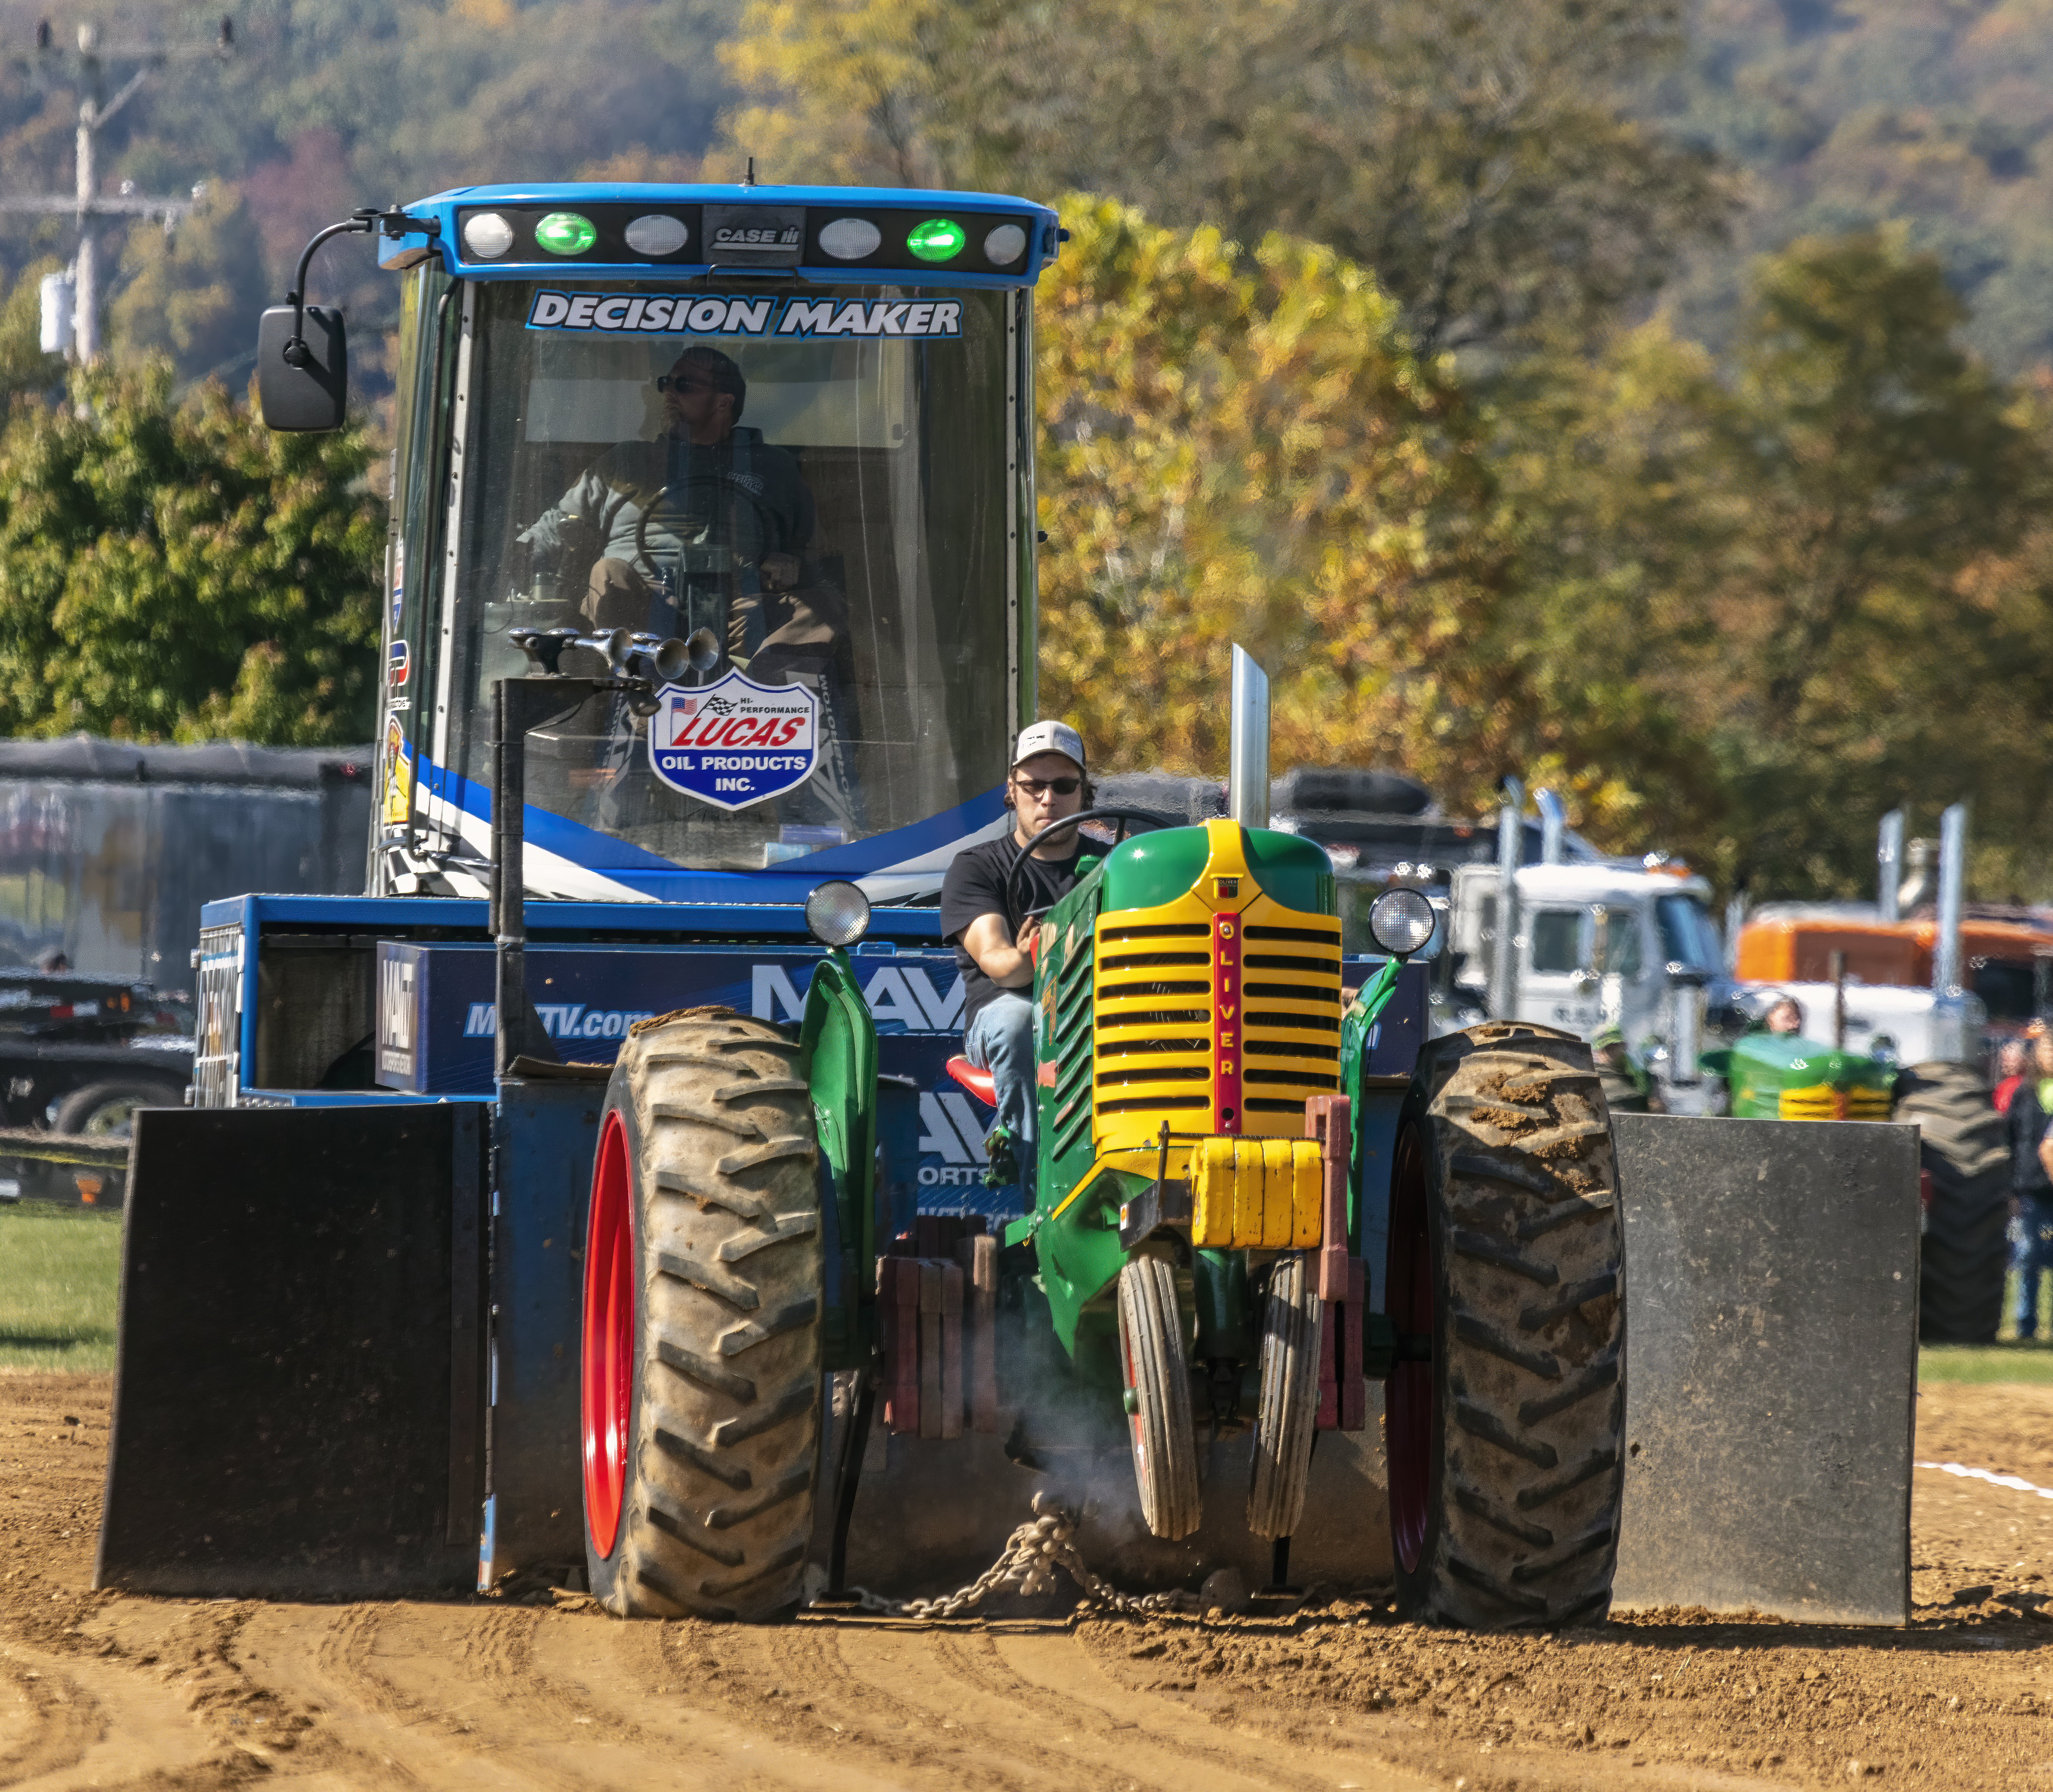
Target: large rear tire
(1964,1147)
(1506,1469)
(1155,1364)
(700,1375)
(1287,1412)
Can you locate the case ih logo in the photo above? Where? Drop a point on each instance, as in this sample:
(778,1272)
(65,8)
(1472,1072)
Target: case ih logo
(734,743)
(735,238)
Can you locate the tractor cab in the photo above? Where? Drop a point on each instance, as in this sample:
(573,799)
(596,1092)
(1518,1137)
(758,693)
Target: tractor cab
(786,426)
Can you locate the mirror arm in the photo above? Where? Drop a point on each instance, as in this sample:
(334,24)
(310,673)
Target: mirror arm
(365,218)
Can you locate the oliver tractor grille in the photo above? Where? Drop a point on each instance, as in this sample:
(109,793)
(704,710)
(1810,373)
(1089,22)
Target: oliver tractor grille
(1820,1101)
(1159,1056)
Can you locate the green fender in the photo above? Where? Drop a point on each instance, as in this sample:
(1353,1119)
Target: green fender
(837,1062)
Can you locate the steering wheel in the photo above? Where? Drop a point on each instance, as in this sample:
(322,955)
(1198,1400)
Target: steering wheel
(1122,816)
(765,518)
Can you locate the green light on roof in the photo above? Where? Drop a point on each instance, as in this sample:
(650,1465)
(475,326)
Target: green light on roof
(938,239)
(565,234)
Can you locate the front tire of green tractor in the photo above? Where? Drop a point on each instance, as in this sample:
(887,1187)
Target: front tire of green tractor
(701,1374)
(1964,1251)
(1287,1411)
(1155,1367)
(1506,1251)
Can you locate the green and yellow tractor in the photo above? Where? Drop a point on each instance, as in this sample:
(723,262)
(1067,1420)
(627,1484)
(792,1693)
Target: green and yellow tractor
(1244,1217)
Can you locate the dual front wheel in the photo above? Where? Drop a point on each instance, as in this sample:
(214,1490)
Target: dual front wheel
(1155,1366)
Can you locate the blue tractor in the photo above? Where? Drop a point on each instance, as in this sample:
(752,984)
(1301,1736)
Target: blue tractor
(598,1190)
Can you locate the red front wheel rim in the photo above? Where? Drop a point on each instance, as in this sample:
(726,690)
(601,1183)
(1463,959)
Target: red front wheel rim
(1408,1409)
(606,1365)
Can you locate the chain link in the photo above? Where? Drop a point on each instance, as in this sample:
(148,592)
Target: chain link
(1032,1554)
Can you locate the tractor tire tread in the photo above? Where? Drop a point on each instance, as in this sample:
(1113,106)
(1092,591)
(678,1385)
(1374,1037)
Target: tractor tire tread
(1964,1146)
(1286,1411)
(1152,1331)
(1531,1433)
(722,1461)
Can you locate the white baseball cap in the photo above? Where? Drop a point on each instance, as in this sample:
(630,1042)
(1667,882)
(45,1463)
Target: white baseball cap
(1050,737)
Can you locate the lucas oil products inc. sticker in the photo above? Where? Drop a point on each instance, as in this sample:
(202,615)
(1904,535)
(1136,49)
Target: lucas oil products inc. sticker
(734,741)
(704,314)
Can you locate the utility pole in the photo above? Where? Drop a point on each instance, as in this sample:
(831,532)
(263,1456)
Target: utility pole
(88,203)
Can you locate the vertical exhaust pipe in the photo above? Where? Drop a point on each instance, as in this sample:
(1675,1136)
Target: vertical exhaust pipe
(1553,821)
(1952,872)
(1247,751)
(1950,1003)
(1889,865)
(1503,959)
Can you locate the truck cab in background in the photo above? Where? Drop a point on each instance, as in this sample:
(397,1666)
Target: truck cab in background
(1599,945)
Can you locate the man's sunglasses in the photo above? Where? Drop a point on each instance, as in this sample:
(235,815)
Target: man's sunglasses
(1037,786)
(678,382)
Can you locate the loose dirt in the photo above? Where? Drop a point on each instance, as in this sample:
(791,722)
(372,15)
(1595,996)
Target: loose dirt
(539,1691)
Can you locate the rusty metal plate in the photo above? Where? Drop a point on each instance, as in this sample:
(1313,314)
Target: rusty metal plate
(1771,1365)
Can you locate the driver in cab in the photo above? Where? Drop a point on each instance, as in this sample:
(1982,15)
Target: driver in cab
(1048,782)
(698,528)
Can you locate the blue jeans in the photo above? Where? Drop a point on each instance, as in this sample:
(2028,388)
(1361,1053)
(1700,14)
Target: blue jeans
(1001,1039)
(2032,1252)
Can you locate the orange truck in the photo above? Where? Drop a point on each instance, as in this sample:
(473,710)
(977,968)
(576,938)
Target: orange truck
(2008,965)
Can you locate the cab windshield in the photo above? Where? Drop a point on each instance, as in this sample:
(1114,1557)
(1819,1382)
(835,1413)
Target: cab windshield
(822,510)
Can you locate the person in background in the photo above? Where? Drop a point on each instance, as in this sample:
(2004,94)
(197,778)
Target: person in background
(1784,1016)
(2031,1117)
(2011,1060)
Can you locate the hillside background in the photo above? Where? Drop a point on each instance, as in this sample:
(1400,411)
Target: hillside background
(1830,114)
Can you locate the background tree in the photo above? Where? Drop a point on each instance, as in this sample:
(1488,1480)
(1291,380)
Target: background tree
(1481,158)
(194,294)
(181,573)
(1820,570)
(1241,446)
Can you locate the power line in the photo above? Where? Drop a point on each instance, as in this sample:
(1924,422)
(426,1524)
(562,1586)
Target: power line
(87,202)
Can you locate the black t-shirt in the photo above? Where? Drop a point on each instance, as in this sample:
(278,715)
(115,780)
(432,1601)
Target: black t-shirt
(975,886)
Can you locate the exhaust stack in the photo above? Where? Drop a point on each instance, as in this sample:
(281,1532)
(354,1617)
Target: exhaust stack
(1889,865)
(1504,958)
(1247,751)
(1950,1002)
(1553,821)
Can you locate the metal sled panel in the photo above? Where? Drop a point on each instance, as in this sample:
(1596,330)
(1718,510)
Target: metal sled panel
(1771,1365)
(295,1409)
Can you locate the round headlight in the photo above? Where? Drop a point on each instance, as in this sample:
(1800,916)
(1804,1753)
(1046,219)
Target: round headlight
(657,233)
(938,239)
(1400,921)
(487,235)
(837,913)
(565,234)
(1005,245)
(850,239)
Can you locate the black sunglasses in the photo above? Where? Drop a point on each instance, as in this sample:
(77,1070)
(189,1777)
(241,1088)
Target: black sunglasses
(678,382)
(1062,787)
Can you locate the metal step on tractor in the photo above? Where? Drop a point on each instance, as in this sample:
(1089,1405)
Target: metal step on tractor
(595,1188)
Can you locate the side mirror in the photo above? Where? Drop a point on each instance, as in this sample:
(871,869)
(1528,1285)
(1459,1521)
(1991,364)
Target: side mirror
(315,394)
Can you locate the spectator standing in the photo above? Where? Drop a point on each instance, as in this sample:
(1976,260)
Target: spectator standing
(2011,1060)
(2031,1116)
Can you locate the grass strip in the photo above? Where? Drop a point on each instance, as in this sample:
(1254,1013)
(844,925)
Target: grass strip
(59,1278)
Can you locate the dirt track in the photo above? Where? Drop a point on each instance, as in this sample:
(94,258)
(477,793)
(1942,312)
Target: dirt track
(99,1690)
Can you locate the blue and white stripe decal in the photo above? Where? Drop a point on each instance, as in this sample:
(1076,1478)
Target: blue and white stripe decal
(566,859)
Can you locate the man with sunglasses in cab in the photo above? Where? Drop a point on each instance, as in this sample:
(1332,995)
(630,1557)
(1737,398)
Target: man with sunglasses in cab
(1048,782)
(702,527)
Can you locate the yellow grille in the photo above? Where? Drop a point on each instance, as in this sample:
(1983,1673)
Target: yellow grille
(1155,1004)
(1820,1101)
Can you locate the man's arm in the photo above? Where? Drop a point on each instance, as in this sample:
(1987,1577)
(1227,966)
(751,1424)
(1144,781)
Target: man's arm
(989,941)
